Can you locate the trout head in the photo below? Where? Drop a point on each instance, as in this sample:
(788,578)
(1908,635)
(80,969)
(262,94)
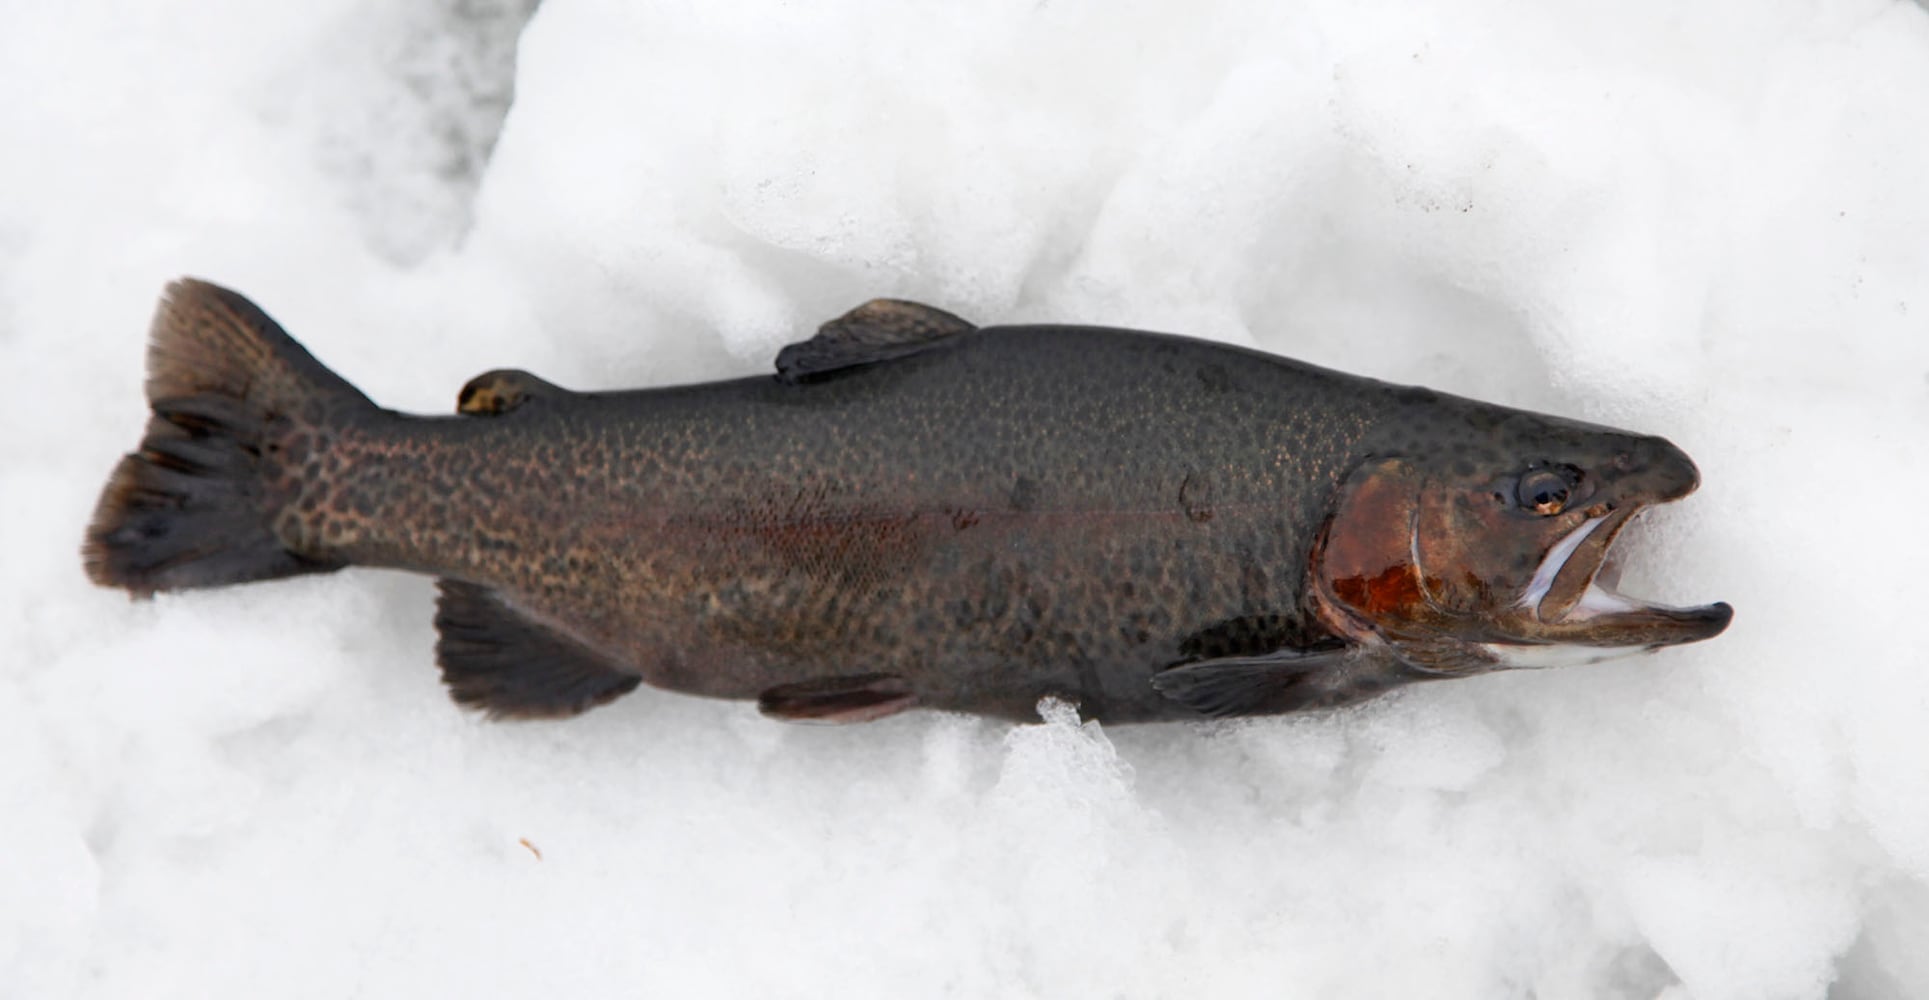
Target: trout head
(1480,542)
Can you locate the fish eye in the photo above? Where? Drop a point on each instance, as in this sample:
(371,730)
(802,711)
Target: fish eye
(1544,491)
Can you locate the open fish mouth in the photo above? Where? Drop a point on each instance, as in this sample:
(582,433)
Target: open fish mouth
(1574,605)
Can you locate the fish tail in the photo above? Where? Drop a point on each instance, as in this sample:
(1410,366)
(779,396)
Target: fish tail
(197,505)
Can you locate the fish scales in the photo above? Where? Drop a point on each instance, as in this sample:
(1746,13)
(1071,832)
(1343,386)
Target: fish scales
(1006,506)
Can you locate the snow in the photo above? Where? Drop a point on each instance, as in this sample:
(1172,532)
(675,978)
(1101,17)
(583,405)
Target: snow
(1699,220)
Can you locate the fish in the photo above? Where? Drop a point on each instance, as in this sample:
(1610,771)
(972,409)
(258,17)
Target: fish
(911,511)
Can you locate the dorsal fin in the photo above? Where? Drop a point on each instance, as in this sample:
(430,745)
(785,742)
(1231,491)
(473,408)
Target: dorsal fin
(497,392)
(878,330)
(497,659)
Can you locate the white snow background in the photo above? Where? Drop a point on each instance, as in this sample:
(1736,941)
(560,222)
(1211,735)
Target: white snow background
(1706,220)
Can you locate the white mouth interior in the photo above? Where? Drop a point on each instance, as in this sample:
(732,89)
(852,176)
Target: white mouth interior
(1556,559)
(1596,600)
(1599,600)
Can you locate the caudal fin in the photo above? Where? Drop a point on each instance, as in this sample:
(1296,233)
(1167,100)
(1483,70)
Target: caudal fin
(196,505)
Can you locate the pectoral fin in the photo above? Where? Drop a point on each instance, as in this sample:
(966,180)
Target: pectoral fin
(1287,680)
(504,662)
(1439,657)
(878,330)
(857,698)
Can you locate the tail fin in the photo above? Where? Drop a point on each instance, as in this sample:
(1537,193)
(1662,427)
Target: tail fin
(197,504)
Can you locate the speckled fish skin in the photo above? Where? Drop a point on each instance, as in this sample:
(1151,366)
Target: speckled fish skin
(992,518)
(1029,511)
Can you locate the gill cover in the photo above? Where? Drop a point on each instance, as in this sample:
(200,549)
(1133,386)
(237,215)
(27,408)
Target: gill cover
(1370,581)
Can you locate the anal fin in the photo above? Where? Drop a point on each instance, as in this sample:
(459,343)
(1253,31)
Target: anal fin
(496,659)
(856,698)
(1287,680)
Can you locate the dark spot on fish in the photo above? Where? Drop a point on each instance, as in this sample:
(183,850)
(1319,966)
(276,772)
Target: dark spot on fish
(1195,498)
(1214,378)
(1483,418)
(1415,395)
(1025,494)
(1250,635)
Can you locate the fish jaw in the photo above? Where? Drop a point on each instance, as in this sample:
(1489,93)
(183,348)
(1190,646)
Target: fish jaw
(1571,606)
(1522,656)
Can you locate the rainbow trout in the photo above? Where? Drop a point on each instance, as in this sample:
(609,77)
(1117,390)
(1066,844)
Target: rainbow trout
(911,512)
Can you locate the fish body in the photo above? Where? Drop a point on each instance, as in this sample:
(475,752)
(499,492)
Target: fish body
(913,511)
